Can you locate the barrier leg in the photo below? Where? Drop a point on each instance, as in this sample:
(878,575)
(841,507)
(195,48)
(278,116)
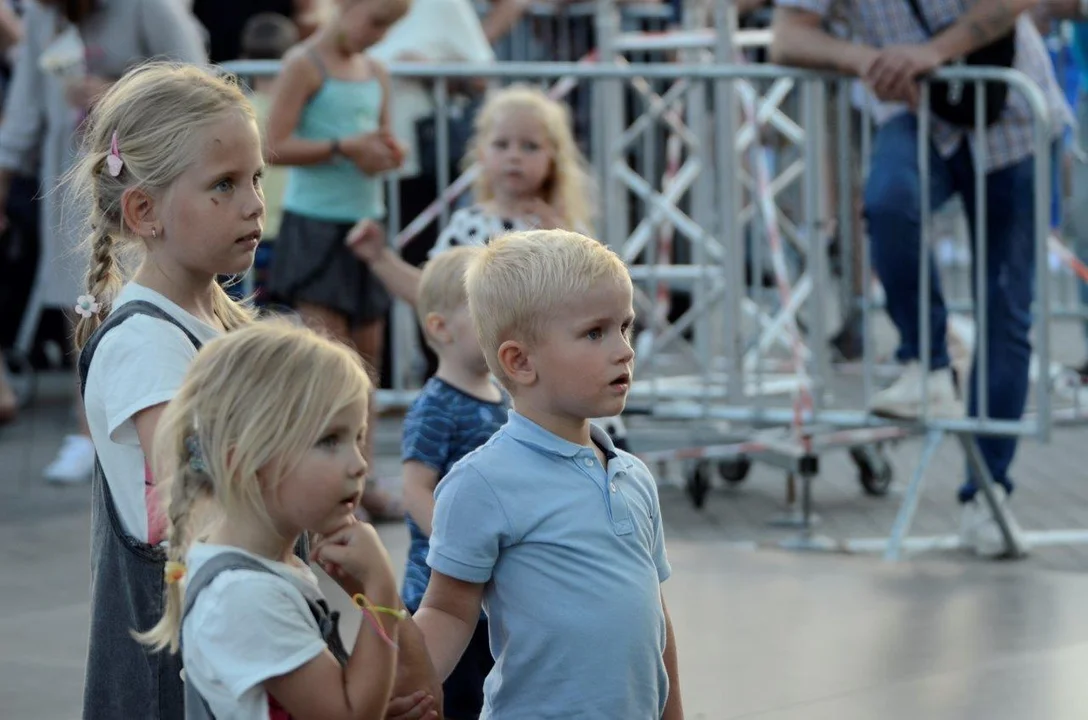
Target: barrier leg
(801,517)
(1014,543)
(903,520)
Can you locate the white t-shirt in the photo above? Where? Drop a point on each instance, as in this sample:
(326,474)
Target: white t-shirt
(137,365)
(444,31)
(244,628)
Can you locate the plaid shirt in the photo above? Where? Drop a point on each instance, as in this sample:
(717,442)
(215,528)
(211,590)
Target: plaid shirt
(880,23)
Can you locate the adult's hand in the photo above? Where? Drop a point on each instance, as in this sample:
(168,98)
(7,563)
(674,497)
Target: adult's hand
(893,73)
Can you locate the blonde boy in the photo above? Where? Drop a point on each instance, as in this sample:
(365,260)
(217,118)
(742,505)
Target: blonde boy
(457,411)
(548,527)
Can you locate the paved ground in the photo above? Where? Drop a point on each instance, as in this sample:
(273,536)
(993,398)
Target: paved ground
(763,633)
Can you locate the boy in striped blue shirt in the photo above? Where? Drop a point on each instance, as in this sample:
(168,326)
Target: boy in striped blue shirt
(457,410)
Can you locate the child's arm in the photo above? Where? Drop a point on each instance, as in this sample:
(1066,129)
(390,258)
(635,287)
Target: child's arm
(414,669)
(298,81)
(674,706)
(367,241)
(322,688)
(385,117)
(416,690)
(419,483)
(447,618)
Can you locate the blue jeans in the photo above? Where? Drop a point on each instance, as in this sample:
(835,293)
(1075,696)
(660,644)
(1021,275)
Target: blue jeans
(892,210)
(1078,211)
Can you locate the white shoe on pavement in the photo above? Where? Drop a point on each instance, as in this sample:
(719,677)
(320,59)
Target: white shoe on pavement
(74,463)
(904,398)
(979,531)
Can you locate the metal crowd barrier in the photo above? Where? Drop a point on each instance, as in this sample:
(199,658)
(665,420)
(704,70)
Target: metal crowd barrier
(732,356)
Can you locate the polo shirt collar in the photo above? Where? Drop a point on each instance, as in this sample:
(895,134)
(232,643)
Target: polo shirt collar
(529,433)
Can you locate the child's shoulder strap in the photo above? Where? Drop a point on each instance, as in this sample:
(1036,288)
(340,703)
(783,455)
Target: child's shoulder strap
(327,621)
(221,563)
(115,318)
(315,58)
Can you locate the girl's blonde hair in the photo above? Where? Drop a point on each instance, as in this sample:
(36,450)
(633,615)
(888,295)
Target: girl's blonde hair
(255,399)
(569,186)
(156,111)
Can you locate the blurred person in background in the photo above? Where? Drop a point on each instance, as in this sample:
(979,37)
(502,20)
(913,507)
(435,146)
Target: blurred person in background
(225,21)
(1076,13)
(71,52)
(11,32)
(892,51)
(436,32)
(268,36)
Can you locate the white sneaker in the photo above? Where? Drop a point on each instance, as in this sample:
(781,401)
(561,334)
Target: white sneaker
(979,530)
(904,398)
(74,462)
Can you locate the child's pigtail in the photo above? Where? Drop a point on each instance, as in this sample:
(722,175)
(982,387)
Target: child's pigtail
(103,280)
(188,484)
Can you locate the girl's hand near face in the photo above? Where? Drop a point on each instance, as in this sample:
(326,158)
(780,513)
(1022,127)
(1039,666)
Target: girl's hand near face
(355,558)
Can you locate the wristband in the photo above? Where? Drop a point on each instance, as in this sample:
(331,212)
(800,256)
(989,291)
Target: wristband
(334,150)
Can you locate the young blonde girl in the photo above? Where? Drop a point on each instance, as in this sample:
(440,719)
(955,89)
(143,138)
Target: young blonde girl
(532,175)
(169,178)
(245,472)
(329,121)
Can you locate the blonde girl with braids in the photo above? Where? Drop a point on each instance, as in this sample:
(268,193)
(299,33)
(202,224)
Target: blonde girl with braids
(170,179)
(244,473)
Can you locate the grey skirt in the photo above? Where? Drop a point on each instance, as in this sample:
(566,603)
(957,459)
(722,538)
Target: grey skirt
(311,265)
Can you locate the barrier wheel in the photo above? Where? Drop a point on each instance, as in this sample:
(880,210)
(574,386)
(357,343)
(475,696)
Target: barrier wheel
(874,471)
(698,484)
(735,471)
(22,375)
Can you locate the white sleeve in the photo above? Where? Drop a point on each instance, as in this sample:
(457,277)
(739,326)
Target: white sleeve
(139,364)
(245,628)
(461,34)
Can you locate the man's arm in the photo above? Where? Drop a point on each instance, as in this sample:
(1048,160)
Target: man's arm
(674,706)
(798,39)
(986,21)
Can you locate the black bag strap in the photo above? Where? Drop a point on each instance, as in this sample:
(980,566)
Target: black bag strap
(115,318)
(917,10)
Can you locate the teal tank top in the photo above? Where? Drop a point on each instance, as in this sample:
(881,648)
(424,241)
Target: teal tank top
(337,191)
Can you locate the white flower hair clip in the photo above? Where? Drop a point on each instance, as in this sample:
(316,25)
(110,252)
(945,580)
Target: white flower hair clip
(113,161)
(86,306)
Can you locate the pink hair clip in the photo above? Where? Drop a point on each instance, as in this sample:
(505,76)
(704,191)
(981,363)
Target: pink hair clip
(113,160)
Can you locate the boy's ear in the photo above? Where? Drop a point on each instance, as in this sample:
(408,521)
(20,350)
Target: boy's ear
(435,326)
(516,363)
(138,213)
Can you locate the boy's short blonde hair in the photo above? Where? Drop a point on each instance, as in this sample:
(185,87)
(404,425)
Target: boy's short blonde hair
(442,284)
(516,284)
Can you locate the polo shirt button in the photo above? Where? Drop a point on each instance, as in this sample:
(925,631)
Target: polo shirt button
(588,462)
(612,487)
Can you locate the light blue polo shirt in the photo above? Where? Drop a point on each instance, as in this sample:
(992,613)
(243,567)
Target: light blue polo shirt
(573,555)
